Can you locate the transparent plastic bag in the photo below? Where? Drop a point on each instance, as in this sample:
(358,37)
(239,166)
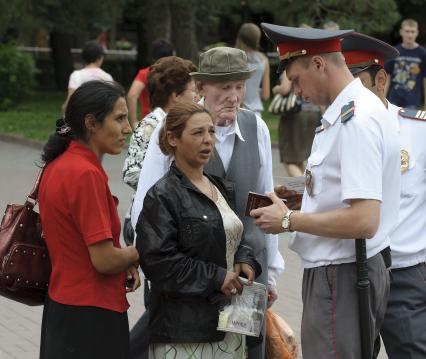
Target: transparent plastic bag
(246,312)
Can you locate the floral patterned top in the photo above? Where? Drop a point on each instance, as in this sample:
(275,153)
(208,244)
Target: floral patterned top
(138,146)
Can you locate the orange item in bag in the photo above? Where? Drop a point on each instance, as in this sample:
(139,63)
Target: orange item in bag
(280,340)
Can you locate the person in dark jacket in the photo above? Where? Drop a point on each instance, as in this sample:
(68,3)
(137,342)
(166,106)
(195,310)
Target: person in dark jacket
(189,243)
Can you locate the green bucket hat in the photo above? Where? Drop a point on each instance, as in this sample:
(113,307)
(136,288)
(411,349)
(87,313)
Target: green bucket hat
(222,64)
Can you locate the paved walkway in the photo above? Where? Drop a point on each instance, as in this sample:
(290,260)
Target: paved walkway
(20,324)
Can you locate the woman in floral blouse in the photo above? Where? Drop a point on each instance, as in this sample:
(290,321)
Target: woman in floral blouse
(168,82)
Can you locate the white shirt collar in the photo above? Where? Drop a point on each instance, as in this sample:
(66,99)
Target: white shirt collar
(159,112)
(223,131)
(393,110)
(237,130)
(233,128)
(343,98)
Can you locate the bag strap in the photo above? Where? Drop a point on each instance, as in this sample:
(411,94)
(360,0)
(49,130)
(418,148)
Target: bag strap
(34,193)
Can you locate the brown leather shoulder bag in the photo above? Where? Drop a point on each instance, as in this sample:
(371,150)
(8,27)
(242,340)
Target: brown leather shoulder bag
(24,260)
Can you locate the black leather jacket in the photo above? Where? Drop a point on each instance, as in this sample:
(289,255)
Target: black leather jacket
(182,247)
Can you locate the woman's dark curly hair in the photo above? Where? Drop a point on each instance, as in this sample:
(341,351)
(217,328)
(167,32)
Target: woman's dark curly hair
(167,75)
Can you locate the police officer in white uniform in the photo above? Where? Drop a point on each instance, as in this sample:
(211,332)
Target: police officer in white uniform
(404,328)
(352,191)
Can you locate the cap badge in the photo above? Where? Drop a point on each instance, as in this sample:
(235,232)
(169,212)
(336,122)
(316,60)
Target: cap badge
(290,55)
(347,112)
(405,161)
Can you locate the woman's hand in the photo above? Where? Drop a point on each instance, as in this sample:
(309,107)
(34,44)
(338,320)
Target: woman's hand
(133,280)
(231,285)
(246,269)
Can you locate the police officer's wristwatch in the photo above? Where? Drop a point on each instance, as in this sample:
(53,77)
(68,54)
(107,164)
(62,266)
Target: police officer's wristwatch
(286,221)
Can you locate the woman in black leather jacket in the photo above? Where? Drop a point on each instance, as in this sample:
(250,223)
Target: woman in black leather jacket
(189,243)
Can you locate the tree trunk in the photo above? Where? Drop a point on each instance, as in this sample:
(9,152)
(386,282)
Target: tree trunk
(183,29)
(62,58)
(142,58)
(156,23)
(112,43)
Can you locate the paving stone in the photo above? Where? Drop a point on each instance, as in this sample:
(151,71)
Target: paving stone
(20,324)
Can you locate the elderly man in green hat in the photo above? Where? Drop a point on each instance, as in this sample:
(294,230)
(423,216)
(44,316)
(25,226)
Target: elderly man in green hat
(242,155)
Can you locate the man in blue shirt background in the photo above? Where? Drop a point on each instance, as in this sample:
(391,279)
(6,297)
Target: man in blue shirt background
(407,84)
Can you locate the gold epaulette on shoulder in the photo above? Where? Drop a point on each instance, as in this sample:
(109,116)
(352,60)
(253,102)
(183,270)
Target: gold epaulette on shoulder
(413,114)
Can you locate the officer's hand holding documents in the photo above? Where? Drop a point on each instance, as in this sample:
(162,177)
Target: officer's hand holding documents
(291,189)
(269,218)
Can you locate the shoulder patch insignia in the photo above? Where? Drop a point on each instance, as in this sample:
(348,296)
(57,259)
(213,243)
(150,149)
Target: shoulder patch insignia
(412,114)
(347,112)
(319,129)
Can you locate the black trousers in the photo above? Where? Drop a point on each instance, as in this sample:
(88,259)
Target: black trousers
(139,339)
(403,330)
(71,332)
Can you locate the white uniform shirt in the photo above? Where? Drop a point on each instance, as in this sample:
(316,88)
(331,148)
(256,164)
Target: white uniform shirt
(79,77)
(408,240)
(156,165)
(358,159)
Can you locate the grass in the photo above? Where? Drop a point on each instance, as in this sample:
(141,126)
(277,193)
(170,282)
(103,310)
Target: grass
(35,118)
(272,122)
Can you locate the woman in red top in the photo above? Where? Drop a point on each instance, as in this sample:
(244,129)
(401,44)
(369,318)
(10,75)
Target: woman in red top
(85,314)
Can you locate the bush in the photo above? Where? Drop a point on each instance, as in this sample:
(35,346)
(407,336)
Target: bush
(17,74)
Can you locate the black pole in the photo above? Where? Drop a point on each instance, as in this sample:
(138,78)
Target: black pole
(363,286)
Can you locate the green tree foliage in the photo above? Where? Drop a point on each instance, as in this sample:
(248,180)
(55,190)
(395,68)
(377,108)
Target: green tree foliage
(65,19)
(367,16)
(188,24)
(9,12)
(218,21)
(79,17)
(15,18)
(17,71)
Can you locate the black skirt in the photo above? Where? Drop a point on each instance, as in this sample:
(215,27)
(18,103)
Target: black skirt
(71,332)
